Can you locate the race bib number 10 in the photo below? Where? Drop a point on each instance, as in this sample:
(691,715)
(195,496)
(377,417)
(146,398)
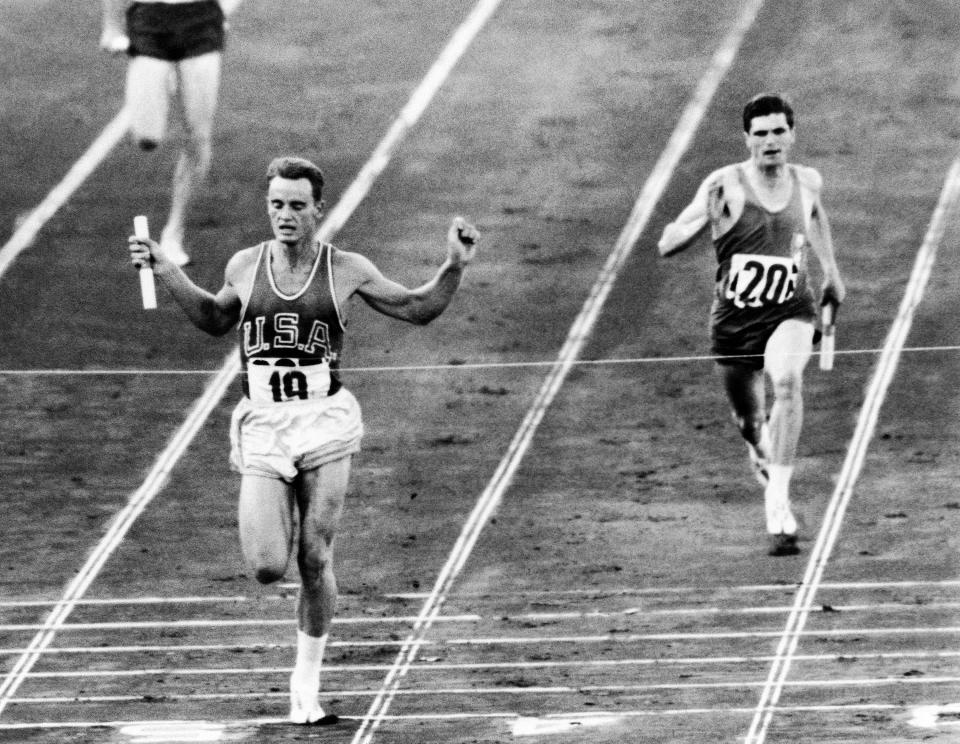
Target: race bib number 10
(758,281)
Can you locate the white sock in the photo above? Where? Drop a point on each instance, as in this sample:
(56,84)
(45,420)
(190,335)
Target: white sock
(777,500)
(306,669)
(765,445)
(779,480)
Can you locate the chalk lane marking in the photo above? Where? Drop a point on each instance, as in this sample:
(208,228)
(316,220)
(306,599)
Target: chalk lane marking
(565,724)
(607,638)
(457,367)
(435,666)
(475,619)
(935,716)
(576,338)
(856,454)
(597,593)
(221,381)
(515,691)
(242,724)
(27,231)
(166,732)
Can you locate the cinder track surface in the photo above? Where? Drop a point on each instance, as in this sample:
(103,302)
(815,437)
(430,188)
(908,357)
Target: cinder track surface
(621,591)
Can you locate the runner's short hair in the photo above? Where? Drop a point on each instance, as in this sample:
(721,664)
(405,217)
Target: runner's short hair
(293,168)
(764,104)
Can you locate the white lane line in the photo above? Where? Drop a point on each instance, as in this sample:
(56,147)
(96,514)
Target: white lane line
(856,454)
(217,387)
(532,726)
(935,716)
(27,231)
(576,338)
(223,623)
(542,617)
(124,601)
(701,591)
(431,667)
(103,371)
(621,638)
(617,638)
(248,723)
(517,691)
(533,594)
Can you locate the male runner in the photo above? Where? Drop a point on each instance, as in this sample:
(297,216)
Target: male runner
(295,429)
(763,215)
(176,50)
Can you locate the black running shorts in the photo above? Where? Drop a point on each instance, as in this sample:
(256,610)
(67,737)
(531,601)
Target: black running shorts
(740,335)
(175,31)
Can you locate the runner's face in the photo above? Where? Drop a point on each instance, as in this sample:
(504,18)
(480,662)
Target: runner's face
(769,140)
(294,214)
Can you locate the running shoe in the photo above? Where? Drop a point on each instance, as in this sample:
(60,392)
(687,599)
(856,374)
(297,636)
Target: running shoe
(304,705)
(115,42)
(783,544)
(780,517)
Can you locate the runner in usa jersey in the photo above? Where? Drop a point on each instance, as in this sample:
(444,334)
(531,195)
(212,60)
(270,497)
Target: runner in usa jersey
(764,216)
(295,429)
(290,344)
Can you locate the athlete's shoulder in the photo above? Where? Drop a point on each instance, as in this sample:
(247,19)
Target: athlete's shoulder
(246,256)
(242,262)
(808,177)
(350,261)
(722,176)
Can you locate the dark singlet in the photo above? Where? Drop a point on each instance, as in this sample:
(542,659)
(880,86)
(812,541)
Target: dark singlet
(762,272)
(290,345)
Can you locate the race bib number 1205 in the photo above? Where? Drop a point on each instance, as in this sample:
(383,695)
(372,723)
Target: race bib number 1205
(758,281)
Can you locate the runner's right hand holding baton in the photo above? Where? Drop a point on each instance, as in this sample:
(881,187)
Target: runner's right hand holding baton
(828,312)
(148,290)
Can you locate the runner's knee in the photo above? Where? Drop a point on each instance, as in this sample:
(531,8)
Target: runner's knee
(199,153)
(147,143)
(268,562)
(749,426)
(788,385)
(268,574)
(313,561)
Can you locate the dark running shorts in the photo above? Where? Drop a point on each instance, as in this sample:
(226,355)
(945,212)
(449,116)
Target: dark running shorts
(740,336)
(175,31)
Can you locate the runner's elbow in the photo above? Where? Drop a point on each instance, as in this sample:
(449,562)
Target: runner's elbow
(423,318)
(669,247)
(214,325)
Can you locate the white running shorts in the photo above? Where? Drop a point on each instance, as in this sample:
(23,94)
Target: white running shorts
(280,440)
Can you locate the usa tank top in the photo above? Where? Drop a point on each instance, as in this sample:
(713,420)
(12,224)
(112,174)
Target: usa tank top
(290,345)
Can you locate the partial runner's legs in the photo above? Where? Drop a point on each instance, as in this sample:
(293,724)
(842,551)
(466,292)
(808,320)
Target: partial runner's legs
(787,353)
(149,82)
(320,496)
(773,443)
(198,80)
(266,538)
(266,525)
(745,389)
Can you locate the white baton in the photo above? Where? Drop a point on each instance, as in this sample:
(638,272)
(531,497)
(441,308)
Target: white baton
(147,288)
(829,338)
